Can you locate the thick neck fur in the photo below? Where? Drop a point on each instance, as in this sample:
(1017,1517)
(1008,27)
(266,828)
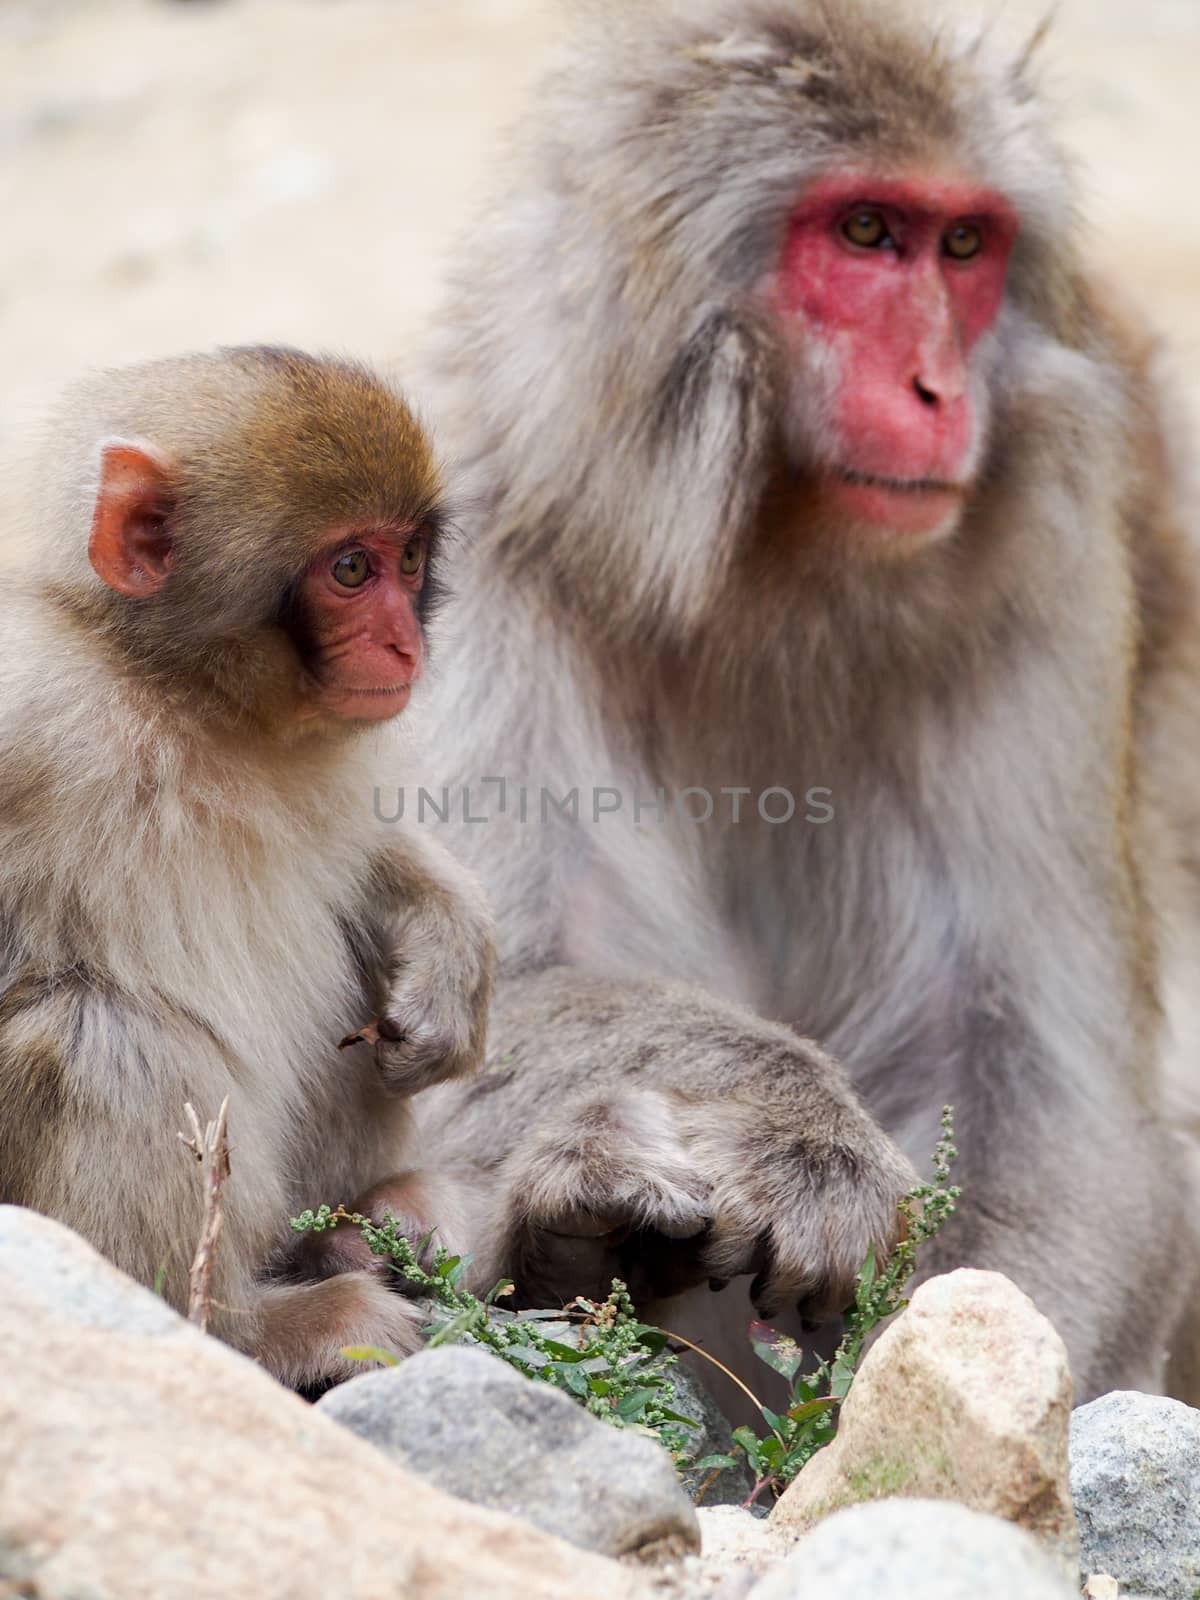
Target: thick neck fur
(830,647)
(905,688)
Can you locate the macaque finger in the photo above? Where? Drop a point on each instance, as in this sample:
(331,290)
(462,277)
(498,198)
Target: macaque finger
(369,1033)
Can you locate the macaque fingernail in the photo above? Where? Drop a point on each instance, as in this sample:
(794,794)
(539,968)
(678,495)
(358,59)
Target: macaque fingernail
(370,1034)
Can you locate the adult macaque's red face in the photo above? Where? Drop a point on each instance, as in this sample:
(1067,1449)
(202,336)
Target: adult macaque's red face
(890,284)
(361,632)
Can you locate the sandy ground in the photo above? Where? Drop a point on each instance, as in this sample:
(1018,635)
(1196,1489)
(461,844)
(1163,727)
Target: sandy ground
(179,172)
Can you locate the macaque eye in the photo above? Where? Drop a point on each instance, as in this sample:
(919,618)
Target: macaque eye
(413,557)
(352,570)
(963,241)
(867,229)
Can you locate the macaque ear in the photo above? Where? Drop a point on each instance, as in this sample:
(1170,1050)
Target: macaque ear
(130,545)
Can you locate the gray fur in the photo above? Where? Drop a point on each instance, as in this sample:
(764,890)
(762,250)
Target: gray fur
(975,926)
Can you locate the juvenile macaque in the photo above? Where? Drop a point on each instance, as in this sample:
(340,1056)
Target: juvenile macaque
(806,453)
(231,563)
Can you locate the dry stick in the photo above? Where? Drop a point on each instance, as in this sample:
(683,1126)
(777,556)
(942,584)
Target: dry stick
(732,1376)
(746,1390)
(211,1150)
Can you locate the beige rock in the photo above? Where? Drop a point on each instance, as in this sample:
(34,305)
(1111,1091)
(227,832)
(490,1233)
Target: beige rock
(737,1548)
(140,1460)
(1101,1587)
(966,1397)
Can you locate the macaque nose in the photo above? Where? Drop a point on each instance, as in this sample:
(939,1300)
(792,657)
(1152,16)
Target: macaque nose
(402,632)
(939,375)
(939,371)
(925,393)
(410,654)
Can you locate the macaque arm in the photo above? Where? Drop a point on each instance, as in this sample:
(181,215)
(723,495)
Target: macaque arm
(678,1139)
(435,951)
(1050,1100)
(426,1204)
(94,1093)
(300,1331)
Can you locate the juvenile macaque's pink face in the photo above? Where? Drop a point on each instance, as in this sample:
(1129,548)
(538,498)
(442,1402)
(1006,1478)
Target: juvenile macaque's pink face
(361,632)
(893,282)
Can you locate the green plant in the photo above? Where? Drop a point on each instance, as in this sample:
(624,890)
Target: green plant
(808,1422)
(618,1369)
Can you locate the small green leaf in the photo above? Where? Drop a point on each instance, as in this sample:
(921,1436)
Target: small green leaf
(652,1339)
(632,1404)
(563,1352)
(370,1352)
(812,1408)
(749,1443)
(779,1350)
(866,1276)
(465,1322)
(527,1355)
(711,1463)
(842,1378)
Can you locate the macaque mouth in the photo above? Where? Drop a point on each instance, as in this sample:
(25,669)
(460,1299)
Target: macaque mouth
(872,480)
(912,507)
(358,702)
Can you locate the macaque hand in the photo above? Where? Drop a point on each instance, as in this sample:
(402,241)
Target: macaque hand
(437,988)
(669,1192)
(413,1201)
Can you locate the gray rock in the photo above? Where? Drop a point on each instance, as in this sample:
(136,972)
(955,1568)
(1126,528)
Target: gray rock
(75,1284)
(468,1422)
(1135,1479)
(140,1459)
(916,1550)
(712,1435)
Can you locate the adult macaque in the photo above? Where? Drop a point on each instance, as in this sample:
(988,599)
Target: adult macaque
(227,594)
(806,454)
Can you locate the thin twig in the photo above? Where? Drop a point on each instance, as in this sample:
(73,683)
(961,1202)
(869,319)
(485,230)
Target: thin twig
(709,1481)
(211,1150)
(733,1378)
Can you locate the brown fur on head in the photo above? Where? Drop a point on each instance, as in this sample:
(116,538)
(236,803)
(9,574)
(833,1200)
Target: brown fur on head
(267,453)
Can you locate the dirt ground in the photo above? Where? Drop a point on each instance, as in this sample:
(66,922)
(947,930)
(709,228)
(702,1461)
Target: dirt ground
(180,172)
